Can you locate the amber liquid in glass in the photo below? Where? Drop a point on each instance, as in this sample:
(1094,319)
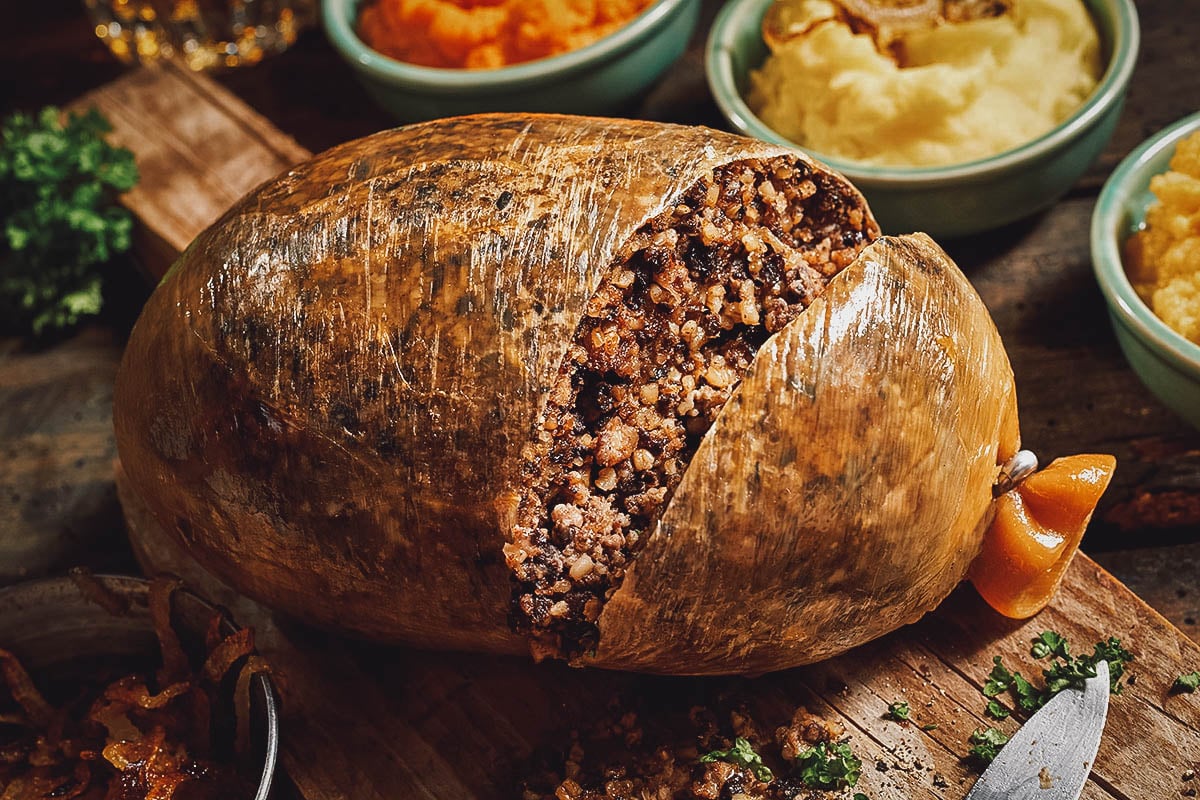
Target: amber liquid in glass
(205,34)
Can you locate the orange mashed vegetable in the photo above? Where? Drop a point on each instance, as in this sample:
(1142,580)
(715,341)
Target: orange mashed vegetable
(485,34)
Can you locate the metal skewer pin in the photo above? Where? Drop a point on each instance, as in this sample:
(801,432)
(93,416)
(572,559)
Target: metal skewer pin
(1023,464)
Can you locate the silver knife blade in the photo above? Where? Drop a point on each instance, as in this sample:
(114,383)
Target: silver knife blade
(1050,757)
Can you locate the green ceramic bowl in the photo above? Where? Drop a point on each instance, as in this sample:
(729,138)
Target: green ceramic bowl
(962,198)
(596,79)
(1166,362)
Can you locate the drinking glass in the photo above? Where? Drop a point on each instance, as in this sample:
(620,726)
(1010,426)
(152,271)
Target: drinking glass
(205,34)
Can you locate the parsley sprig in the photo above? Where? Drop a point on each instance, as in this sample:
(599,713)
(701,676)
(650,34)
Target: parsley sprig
(986,744)
(829,766)
(743,754)
(59,181)
(899,711)
(1186,683)
(1049,643)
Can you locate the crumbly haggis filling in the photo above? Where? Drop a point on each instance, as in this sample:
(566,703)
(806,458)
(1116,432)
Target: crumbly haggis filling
(638,756)
(663,343)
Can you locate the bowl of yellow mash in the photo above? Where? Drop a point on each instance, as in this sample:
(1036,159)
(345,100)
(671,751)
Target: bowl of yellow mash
(1145,241)
(952,116)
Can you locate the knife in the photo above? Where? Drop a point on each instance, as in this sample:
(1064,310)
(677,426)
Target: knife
(1050,757)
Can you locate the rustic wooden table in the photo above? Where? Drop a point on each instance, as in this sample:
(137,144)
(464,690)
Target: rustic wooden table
(58,504)
(1076,392)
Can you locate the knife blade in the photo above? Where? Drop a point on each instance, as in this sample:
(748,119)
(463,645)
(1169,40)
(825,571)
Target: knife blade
(1050,757)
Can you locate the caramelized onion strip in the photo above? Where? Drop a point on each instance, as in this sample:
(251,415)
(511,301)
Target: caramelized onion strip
(232,649)
(175,667)
(254,665)
(41,713)
(895,16)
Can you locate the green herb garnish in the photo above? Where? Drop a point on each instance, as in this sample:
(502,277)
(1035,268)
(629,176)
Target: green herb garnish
(999,679)
(1186,683)
(986,744)
(829,766)
(1050,643)
(898,711)
(742,754)
(1065,671)
(997,711)
(1029,698)
(59,182)
(1073,672)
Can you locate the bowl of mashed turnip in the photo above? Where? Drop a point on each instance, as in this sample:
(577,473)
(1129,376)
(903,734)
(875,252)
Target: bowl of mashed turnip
(952,116)
(1145,242)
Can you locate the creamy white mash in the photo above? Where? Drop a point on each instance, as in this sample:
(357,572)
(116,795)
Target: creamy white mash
(940,95)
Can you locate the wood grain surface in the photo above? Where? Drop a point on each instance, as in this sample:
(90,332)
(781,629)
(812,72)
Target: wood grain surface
(204,149)
(56,449)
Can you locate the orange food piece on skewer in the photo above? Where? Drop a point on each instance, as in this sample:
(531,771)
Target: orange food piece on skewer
(1036,532)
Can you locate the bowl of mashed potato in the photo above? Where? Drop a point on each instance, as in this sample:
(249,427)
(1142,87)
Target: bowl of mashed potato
(952,116)
(423,59)
(1145,241)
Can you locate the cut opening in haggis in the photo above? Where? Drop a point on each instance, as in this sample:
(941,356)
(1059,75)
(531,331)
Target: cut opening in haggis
(664,342)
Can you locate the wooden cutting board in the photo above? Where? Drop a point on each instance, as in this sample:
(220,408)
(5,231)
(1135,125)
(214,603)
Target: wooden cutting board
(366,721)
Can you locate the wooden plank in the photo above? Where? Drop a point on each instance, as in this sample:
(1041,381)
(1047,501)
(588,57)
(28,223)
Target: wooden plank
(371,721)
(56,451)
(1163,576)
(198,149)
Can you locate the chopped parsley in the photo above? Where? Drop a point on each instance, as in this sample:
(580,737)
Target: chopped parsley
(1050,643)
(997,711)
(1073,672)
(986,744)
(899,711)
(829,766)
(742,754)
(1186,683)
(1065,671)
(1001,680)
